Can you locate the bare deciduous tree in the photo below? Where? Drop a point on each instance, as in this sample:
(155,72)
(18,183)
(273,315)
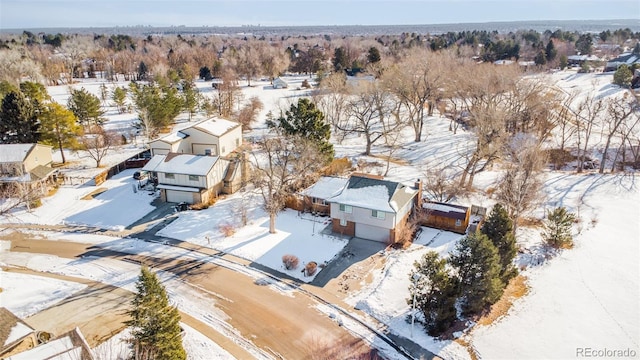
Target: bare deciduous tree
(587,116)
(98,142)
(520,189)
(248,113)
(619,111)
(280,168)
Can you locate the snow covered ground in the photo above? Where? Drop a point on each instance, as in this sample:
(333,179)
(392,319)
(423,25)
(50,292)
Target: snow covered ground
(584,297)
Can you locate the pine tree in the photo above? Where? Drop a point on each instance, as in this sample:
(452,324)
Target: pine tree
(541,58)
(499,229)
(18,121)
(436,293)
(550,51)
(557,228)
(155,324)
(373,56)
(59,128)
(307,121)
(86,107)
(478,266)
(623,76)
(340,59)
(119,98)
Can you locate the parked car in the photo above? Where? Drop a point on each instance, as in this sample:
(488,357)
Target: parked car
(139,175)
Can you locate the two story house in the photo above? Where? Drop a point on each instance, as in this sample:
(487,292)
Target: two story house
(188,178)
(215,136)
(370,207)
(26,163)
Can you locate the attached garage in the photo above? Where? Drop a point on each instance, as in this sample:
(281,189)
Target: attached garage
(178,194)
(371,232)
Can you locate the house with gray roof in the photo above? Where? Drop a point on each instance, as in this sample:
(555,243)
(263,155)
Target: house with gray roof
(214,136)
(370,207)
(27,164)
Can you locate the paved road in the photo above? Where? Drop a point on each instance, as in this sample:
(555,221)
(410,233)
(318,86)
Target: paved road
(281,324)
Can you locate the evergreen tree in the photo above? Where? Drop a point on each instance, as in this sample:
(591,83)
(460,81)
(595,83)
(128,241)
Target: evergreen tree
(7,87)
(373,56)
(551,51)
(541,58)
(86,107)
(191,97)
(307,121)
(59,128)
(557,228)
(155,324)
(563,62)
(499,229)
(623,76)
(435,292)
(18,122)
(205,73)
(157,106)
(119,98)
(584,44)
(340,59)
(142,71)
(478,266)
(636,49)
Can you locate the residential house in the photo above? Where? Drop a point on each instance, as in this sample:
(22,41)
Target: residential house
(316,197)
(446,216)
(15,335)
(216,137)
(278,83)
(70,345)
(26,163)
(370,207)
(188,178)
(627,58)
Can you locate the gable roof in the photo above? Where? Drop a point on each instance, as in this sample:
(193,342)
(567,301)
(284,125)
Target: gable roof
(214,126)
(326,187)
(374,194)
(12,329)
(70,345)
(172,138)
(186,164)
(10,153)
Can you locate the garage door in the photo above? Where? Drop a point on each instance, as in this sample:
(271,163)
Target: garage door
(372,232)
(157,151)
(179,196)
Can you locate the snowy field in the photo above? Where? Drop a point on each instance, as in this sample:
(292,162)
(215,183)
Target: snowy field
(584,297)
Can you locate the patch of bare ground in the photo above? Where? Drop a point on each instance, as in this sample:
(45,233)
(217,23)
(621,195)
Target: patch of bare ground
(94,193)
(530,222)
(467,345)
(355,277)
(516,289)
(392,160)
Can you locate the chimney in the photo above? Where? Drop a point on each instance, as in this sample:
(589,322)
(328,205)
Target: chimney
(418,201)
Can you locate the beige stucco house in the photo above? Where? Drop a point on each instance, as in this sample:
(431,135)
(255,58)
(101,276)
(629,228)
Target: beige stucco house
(215,136)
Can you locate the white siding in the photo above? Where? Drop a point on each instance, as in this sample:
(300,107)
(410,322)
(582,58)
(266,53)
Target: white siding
(363,216)
(182,180)
(228,141)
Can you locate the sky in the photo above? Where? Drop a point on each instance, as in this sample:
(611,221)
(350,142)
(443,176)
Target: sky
(24,14)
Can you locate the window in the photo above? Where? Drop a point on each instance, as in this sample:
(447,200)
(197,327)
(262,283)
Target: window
(346,208)
(343,222)
(223,149)
(194,178)
(458,222)
(377,214)
(170,176)
(237,142)
(318,201)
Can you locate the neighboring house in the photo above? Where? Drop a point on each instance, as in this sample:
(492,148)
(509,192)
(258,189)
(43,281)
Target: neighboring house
(626,58)
(446,216)
(316,197)
(578,60)
(26,163)
(15,335)
(370,207)
(188,178)
(70,345)
(278,83)
(216,137)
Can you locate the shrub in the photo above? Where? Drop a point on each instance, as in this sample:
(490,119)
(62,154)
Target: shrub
(305,84)
(310,268)
(35,203)
(290,261)
(227,229)
(557,228)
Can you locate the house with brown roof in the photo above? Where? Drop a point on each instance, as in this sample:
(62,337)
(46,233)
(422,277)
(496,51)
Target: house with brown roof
(446,216)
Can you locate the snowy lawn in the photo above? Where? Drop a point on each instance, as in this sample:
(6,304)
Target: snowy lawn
(25,295)
(586,296)
(115,208)
(385,298)
(299,235)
